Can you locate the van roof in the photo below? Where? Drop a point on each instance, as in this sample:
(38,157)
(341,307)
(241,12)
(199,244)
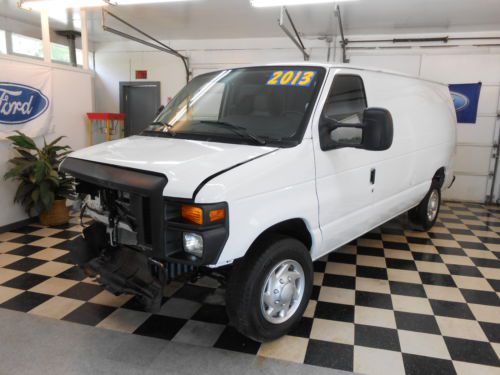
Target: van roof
(354,67)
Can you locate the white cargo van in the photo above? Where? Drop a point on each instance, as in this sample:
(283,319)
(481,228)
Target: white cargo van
(250,174)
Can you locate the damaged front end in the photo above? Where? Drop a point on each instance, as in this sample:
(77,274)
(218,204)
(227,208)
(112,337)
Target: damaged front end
(127,248)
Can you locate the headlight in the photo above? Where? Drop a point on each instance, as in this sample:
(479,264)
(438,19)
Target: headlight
(193,243)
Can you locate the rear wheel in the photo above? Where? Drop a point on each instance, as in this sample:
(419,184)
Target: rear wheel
(425,214)
(269,289)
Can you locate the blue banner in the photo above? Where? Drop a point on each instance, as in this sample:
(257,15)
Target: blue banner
(466,98)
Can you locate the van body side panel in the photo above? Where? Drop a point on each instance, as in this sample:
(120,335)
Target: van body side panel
(264,192)
(424,141)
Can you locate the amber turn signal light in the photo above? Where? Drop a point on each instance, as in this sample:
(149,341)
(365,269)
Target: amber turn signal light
(192,214)
(216,215)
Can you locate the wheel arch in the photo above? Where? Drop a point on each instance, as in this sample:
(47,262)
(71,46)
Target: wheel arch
(295,228)
(439,177)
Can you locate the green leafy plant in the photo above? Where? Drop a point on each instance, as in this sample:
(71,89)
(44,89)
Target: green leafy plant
(37,170)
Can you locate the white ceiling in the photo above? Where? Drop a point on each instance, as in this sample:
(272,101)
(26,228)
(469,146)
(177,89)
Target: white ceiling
(207,19)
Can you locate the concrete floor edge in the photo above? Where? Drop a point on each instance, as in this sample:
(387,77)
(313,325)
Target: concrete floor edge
(69,348)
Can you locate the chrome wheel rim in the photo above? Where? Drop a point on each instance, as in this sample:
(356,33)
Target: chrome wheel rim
(282,292)
(433,205)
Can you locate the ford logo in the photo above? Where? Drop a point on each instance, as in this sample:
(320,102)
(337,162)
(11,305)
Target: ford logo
(459,100)
(20,103)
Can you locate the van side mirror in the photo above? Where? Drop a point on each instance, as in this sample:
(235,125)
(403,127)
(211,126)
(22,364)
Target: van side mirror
(374,134)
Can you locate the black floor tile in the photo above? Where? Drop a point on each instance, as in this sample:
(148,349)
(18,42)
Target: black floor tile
(457,269)
(162,327)
(89,313)
(303,328)
(490,240)
(372,251)
(371,272)
(472,245)
(73,273)
(329,354)
(26,250)
(471,351)
(315,292)
(396,245)
(370,299)
(440,236)
(465,232)
(193,292)
(419,240)
(451,309)
(319,266)
(25,301)
(376,337)
(420,365)
(342,258)
(66,234)
(495,284)
(482,262)
(230,339)
(68,245)
(339,281)
(416,322)
(491,330)
(401,264)
(82,291)
(211,314)
(437,279)
(481,297)
(484,228)
(335,311)
(26,229)
(450,251)
(372,236)
(25,264)
(407,289)
(427,257)
(25,239)
(25,281)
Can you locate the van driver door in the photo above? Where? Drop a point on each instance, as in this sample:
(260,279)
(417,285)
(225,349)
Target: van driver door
(343,175)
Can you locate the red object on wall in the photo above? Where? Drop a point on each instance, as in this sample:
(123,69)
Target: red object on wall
(141,74)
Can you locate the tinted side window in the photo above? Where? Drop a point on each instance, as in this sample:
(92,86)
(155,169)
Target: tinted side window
(346,100)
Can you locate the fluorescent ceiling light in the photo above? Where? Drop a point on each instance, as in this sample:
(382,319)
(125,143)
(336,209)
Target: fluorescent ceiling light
(61,4)
(134,2)
(65,4)
(275,3)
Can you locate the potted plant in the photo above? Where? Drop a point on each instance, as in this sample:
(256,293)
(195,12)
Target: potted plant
(43,189)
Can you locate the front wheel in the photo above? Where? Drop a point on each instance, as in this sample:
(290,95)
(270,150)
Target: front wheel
(425,214)
(269,289)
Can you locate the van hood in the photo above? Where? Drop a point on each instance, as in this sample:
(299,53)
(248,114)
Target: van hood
(185,163)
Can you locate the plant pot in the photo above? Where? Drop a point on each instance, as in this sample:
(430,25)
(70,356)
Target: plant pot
(57,215)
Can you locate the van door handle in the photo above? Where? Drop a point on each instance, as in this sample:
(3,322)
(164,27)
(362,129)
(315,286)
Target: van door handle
(372,176)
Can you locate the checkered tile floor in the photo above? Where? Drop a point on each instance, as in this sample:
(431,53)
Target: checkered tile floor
(394,301)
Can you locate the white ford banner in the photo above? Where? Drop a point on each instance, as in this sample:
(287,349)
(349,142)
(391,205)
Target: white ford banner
(25,99)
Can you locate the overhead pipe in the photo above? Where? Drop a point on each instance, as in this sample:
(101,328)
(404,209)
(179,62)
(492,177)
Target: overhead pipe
(159,46)
(343,40)
(295,39)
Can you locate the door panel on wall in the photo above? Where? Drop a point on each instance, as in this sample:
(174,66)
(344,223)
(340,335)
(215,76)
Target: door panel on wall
(140,102)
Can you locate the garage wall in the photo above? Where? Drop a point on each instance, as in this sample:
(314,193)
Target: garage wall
(118,61)
(72,99)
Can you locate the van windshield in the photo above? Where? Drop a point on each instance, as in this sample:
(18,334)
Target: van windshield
(260,105)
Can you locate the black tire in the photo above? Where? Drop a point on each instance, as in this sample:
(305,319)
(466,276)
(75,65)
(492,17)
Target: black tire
(243,295)
(418,215)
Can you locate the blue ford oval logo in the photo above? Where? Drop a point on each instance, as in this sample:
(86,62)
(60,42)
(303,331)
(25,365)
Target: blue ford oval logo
(459,100)
(20,103)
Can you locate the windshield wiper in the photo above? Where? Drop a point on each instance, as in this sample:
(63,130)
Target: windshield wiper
(240,130)
(167,128)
